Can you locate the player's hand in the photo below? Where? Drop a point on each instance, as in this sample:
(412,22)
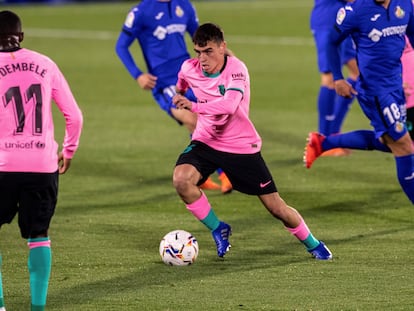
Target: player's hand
(147,81)
(343,88)
(408,90)
(63,163)
(182,102)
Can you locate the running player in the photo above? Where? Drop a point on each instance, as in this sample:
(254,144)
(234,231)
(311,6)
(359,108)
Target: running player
(378,29)
(225,137)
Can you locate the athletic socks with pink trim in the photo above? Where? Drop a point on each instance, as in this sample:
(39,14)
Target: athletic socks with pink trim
(39,263)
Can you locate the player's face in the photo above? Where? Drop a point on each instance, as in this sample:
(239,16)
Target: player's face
(211,56)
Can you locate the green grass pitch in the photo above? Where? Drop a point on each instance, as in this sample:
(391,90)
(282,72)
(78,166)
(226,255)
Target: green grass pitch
(117,201)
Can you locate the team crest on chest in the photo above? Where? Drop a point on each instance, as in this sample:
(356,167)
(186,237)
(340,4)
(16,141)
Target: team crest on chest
(179,11)
(399,13)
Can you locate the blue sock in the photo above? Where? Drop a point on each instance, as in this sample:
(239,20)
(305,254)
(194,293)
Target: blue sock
(326,102)
(342,105)
(361,139)
(405,174)
(39,263)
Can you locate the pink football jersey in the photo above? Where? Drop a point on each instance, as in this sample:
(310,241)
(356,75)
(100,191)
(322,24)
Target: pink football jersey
(223,123)
(29,81)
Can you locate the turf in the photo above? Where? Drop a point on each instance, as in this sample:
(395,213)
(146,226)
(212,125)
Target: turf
(117,200)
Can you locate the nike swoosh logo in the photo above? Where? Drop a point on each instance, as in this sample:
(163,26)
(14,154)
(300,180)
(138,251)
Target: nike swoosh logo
(262,185)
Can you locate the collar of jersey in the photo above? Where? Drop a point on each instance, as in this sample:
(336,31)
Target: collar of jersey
(213,75)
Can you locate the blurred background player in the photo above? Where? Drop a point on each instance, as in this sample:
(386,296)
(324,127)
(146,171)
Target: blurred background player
(29,159)
(225,137)
(407,60)
(332,108)
(160,26)
(379,88)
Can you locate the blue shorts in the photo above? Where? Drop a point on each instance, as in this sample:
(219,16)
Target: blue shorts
(32,196)
(387,113)
(163,97)
(346,50)
(248,173)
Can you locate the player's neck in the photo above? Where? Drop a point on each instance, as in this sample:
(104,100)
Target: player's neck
(384,3)
(220,67)
(9,43)
(9,48)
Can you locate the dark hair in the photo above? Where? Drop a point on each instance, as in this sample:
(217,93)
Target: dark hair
(10,24)
(208,32)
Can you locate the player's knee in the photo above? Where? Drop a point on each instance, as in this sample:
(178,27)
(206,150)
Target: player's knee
(181,180)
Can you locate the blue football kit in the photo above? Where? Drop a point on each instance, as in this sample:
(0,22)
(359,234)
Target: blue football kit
(332,109)
(160,28)
(379,35)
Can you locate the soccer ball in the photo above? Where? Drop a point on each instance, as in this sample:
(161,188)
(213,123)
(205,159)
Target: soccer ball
(178,248)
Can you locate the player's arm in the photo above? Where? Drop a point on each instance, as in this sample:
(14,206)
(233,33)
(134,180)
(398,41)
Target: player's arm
(123,43)
(225,105)
(145,80)
(63,163)
(182,85)
(65,101)
(341,30)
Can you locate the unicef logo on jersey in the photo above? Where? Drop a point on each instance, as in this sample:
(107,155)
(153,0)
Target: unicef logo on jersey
(375,35)
(25,145)
(40,145)
(160,33)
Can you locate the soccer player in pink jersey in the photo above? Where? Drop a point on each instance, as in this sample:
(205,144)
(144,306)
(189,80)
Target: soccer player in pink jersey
(29,159)
(225,137)
(407,60)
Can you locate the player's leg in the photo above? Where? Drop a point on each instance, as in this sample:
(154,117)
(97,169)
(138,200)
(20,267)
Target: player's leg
(388,118)
(185,117)
(326,94)
(295,224)
(37,206)
(2,308)
(226,186)
(360,139)
(403,152)
(317,144)
(188,174)
(256,179)
(326,103)
(8,210)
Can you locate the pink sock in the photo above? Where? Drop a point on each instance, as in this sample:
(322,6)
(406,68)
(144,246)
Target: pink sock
(200,208)
(301,232)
